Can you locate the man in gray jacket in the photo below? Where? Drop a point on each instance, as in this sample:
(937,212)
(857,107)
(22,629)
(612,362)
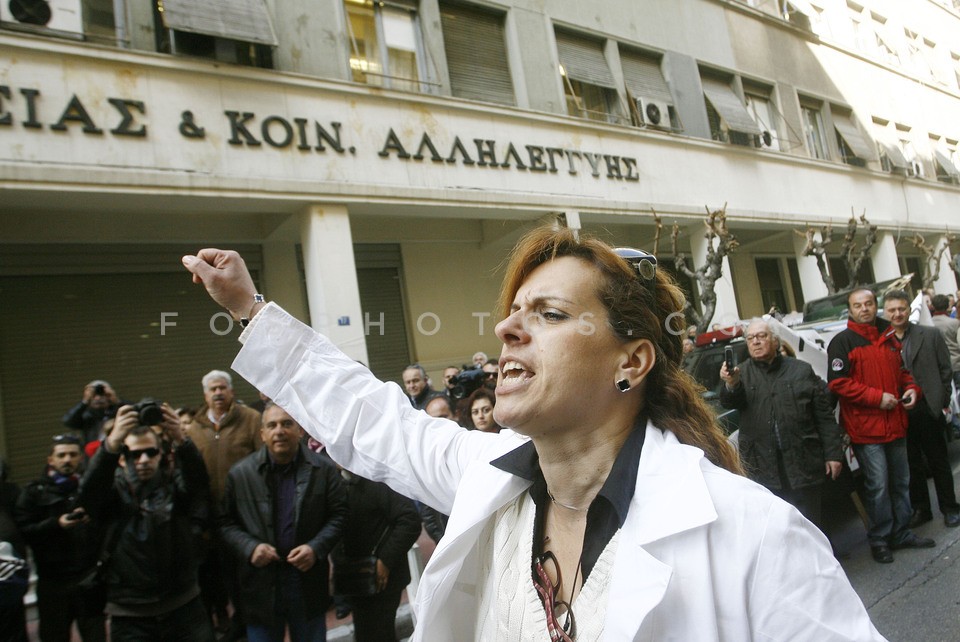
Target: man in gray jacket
(924,354)
(789,438)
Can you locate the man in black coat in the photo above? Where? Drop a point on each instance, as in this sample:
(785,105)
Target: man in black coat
(789,439)
(65,546)
(385,524)
(153,498)
(283,511)
(925,355)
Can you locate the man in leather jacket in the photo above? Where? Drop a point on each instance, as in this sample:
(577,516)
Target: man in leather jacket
(283,511)
(789,439)
(154,506)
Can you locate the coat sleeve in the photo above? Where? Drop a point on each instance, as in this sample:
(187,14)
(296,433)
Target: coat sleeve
(29,517)
(74,417)
(823,408)
(239,541)
(736,398)
(840,381)
(943,364)
(818,601)
(97,492)
(336,511)
(405,525)
(368,426)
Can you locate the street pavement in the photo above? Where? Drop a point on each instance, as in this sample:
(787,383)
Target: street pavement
(917,597)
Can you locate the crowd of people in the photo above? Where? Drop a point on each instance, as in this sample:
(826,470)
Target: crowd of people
(216,523)
(613,494)
(894,381)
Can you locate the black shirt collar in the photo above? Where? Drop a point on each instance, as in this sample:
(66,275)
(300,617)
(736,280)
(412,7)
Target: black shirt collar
(619,486)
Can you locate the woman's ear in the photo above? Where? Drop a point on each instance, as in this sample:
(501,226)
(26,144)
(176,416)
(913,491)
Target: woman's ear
(639,357)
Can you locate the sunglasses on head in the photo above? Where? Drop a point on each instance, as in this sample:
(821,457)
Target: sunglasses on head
(643,262)
(135,455)
(66,439)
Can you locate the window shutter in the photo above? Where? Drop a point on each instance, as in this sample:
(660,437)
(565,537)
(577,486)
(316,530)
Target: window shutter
(852,137)
(244,20)
(583,60)
(379,266)
(643,78)
(728,105)
(946,164)
(476,54)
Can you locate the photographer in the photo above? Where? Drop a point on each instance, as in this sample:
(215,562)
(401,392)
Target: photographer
(65,545)
(154,510)
(98,404)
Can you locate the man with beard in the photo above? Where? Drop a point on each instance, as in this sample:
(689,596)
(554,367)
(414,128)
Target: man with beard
(875,394)
(283,561)
(65,545)
(154,506)
(224,432)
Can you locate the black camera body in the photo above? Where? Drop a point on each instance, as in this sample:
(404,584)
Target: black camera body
(99,389)
(729,358)
(149,412)
(466,382)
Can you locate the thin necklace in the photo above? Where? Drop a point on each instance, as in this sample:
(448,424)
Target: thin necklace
(567,506)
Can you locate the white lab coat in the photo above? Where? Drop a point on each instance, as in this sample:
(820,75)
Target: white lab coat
(703,555)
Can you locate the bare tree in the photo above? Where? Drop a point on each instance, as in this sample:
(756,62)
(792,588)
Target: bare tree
(659,225)
(853,255)
(720,243)
(818,250)
(931,257)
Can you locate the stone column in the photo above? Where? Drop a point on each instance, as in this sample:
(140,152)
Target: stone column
(883,255)
(946,283)
(333,295)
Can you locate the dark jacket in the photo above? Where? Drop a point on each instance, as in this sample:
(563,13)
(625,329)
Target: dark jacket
(375,509)
(57,552)
(864,364)
(784,402)
(247,519)
(156,525)
(89,421)
(926,356)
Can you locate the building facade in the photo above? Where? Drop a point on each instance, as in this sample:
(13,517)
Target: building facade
(375,162)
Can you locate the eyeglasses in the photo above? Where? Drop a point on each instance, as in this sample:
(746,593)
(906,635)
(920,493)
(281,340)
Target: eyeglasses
(66,439)
(763,336)
(135,455)
(643,262)
(549,590)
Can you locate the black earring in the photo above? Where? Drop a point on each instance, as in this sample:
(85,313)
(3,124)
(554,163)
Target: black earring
(623,385)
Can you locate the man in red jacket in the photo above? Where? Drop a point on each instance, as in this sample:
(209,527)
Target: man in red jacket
(875,392)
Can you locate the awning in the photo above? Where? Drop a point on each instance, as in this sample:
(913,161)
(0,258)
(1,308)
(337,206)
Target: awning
(946,164)
(583,60)
(244,20)
(853,138)
(733,112)
(642,76)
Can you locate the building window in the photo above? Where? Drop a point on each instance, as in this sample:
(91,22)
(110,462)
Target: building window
(588,84)
(813,131)
(855,148)
(232,31)
(909,152)
(728,116)
(761,109)
(884,46)
(386,48)
(772,292)
(944,155)
(647,89)
(473,40)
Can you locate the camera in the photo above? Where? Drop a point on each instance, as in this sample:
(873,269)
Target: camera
(149,412)
(99,389)
(466,382)
(728,358)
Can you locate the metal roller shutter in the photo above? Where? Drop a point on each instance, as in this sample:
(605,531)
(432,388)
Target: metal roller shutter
(244,20)
(583,60)
(379,268)
(473,40)
(729,106)
(59,332)
(642,76)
